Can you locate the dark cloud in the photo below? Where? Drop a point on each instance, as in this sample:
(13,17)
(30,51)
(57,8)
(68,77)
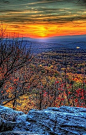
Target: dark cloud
(4,1)
(7,11)
(43,18)
(83,1)
(60,11)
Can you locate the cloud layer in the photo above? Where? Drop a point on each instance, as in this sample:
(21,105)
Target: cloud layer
(42,11)
(62,14)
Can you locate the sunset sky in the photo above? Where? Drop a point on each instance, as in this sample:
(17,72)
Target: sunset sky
(43,18)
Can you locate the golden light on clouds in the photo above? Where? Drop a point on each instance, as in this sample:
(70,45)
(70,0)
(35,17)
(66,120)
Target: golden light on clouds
(46,30)
(43,18)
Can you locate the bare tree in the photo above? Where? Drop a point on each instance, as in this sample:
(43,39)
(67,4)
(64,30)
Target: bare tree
(14,54)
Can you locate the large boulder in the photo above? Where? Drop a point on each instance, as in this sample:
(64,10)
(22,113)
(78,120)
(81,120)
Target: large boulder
(8,118)
(60,121)
(51,121)
(9,114)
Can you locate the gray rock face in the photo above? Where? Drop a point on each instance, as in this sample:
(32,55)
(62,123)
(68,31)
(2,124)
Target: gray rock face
(51,121)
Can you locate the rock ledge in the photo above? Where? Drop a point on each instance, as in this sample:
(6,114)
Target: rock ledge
(51,121)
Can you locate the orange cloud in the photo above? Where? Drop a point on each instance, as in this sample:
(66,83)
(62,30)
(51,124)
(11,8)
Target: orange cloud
(46,30)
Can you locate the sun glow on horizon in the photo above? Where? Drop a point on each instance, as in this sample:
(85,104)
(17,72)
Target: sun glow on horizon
(44,30)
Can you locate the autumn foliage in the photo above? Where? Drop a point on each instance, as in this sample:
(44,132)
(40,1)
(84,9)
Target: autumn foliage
(42,80)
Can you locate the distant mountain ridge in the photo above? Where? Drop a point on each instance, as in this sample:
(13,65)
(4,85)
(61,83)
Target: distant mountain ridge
(55,43)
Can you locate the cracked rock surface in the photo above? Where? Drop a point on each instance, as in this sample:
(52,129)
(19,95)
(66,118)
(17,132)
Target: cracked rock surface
(51,121)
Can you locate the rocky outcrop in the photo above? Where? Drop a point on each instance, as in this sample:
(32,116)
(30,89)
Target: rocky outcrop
(51,121)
